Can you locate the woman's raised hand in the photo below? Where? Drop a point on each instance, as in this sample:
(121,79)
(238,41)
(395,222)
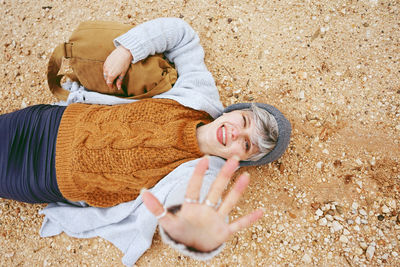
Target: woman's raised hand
(116,66)
(202,225)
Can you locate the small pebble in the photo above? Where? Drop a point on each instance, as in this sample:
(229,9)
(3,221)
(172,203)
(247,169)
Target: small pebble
(319,212)
(338,218)
(322,221)
(363,245)
(370,252)
(336,226)
(381,217)
(385,209)
(329,217)
(306,258)
(343,239)
(295,247)
(358,251)
(363,212)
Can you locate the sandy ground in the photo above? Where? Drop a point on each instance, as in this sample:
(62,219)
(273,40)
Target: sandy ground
(331,66)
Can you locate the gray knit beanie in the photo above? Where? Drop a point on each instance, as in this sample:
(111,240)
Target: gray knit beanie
(284,129)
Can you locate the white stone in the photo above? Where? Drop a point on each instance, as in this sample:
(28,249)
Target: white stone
(354,205)
(319,212)
(370,252)
(357,228)
(363,245)
(336,226)
(372,161)
(346,232)
(359,162)
(343,239)
(363,212)
(23,104)
(385,256)
(358,220)
(338,218)
(325,151)
(395,254)
(385,209)
(329,217)
(392,204)
(359,251)
(319,164)
(330,256)
(322,221)
(301,95)
(296,247)
(280,228)
(306,258)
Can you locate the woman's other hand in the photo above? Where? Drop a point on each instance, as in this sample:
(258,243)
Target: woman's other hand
(116,66)
(202,225)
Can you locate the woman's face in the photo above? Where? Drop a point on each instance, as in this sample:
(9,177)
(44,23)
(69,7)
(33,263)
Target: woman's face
(229,135)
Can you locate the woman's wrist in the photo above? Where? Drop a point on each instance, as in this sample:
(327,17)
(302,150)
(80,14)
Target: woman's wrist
(126,52)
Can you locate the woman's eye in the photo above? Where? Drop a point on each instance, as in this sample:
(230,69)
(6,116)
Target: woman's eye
(247,143)
(244,121)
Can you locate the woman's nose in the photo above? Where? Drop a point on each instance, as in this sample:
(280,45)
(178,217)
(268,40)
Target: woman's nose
(235,133)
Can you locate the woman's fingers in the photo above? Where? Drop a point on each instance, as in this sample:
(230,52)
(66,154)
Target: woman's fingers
(119,81)
(195,182)
(108,77)
(234,195)
(116,65)
(155,207)
(245,221)
(223,178)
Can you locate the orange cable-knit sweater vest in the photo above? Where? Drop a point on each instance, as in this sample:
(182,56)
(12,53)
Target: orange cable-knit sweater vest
(106,154)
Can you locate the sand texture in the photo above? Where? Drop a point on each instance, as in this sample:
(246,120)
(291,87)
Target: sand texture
(332,67)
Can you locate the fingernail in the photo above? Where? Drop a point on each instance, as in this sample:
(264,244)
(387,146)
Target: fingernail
(143,190)
(206,156)
(236,157)
(247,174)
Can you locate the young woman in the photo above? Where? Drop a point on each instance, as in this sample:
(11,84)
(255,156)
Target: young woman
(103,155)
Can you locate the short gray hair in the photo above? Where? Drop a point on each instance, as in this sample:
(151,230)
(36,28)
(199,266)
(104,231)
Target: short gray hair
(266,129)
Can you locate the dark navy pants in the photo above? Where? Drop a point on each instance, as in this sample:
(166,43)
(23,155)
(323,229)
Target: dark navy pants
(27,154)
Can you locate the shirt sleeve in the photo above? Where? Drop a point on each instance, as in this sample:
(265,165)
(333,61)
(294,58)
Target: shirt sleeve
(195,86)
(171,36)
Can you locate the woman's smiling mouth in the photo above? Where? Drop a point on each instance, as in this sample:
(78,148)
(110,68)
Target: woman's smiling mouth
(221,135)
